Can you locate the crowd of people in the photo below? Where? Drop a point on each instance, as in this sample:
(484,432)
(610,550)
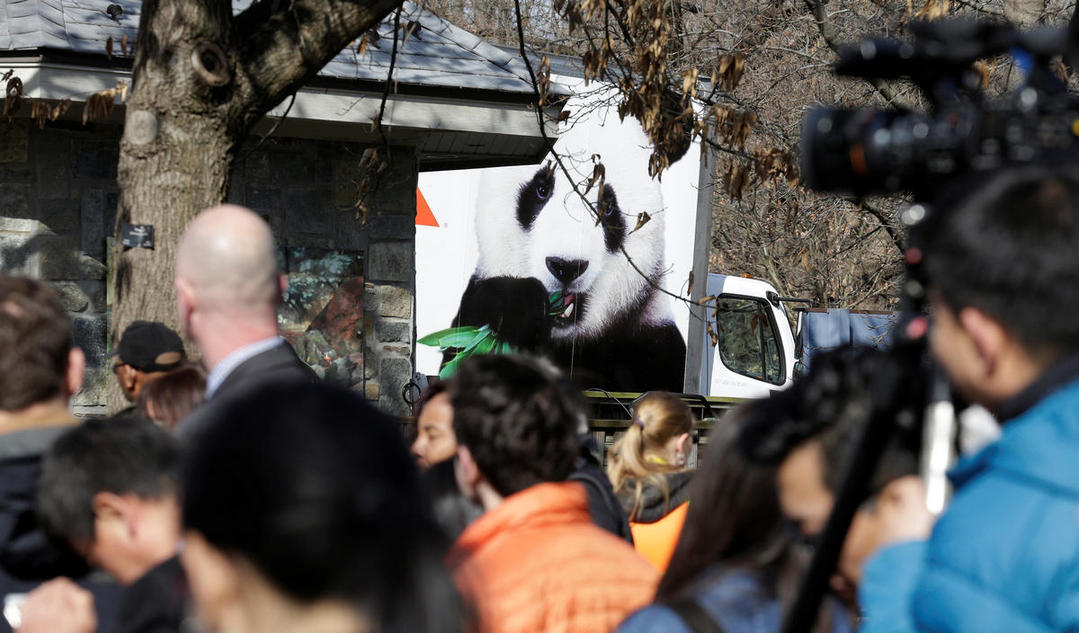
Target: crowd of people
(240,495)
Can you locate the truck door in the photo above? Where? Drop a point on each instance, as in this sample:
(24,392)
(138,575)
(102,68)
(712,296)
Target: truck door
(752,346)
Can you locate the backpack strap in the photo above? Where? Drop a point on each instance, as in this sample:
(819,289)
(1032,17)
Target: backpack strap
(597,481)
(694,616)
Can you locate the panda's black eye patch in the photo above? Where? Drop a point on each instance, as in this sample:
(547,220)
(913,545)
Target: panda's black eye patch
(533,196)
(612,219)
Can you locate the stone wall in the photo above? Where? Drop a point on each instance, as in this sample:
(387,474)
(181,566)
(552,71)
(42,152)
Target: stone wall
(57,208)
(58,201)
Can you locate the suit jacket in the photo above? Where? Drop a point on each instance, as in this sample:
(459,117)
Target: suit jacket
(278,365)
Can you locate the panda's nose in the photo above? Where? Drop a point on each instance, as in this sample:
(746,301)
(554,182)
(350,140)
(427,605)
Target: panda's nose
(566,270)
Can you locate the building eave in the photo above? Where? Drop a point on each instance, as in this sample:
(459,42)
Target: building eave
(450,127)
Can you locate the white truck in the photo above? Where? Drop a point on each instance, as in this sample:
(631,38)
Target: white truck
(748,347)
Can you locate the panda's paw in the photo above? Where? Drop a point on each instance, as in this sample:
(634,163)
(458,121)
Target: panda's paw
(515,308)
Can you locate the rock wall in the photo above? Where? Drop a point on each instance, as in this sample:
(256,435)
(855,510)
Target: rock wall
(349,310)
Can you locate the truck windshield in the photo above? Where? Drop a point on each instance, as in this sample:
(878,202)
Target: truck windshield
(748,342)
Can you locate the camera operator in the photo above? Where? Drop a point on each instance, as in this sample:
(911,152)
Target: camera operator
(1002,263)
(809,433)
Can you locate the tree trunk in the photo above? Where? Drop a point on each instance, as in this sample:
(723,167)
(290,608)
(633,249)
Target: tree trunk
(202,78)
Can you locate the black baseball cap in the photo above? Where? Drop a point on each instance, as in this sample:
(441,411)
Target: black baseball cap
(150,346)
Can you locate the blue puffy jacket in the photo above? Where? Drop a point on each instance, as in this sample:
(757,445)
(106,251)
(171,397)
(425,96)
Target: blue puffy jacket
(1005,556)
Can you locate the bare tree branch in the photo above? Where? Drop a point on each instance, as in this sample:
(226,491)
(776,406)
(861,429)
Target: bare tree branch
(831,37)
(278,50)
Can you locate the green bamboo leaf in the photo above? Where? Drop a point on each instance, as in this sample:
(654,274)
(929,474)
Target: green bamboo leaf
(486,346)
(476,340)
(555,303)
(451,337)
(451,367)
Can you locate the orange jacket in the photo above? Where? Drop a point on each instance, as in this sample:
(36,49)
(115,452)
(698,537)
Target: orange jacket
(537,564)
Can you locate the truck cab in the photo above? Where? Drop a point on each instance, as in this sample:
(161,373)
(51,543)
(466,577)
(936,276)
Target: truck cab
(748,342)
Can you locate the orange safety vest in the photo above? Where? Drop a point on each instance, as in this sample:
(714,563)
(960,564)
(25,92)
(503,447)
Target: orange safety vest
(656,541)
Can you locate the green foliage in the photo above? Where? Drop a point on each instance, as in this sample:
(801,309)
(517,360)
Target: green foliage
(470,340)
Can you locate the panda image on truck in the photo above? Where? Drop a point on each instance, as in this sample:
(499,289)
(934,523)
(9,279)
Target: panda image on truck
(553,279)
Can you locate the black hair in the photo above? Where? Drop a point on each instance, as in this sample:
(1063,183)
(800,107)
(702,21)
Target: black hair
(830,404)
(518,418)
(1009,245)
(122,455)
(735,522)
(316,489)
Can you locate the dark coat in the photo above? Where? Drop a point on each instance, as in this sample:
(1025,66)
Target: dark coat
(278,365)
(654,504)
(27,556)
(157,602)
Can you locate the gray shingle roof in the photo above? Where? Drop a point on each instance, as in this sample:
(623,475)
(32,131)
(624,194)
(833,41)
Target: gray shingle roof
(441,55)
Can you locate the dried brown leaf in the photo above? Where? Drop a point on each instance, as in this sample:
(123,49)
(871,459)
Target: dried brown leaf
(642,219)
(1061,70)
(39,111)
(933,9)
(689,84)
(12,97)
(599,174)
(99,105)
(982,69)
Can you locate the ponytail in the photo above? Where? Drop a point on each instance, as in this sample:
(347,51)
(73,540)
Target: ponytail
(657,418)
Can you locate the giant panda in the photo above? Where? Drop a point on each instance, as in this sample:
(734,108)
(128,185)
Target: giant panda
(535,237)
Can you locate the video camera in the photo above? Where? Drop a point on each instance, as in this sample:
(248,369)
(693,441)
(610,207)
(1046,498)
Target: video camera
(868,151)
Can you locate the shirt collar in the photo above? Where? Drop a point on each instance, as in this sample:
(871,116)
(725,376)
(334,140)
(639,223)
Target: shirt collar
(1059,374)
(229,363)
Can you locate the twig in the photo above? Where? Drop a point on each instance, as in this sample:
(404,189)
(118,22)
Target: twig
(389,80)
(879,214)
(273,129)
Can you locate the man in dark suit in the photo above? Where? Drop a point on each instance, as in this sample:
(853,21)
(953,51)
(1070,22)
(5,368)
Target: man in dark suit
(228,288)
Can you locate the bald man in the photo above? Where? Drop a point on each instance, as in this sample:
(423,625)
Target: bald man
(228,288)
